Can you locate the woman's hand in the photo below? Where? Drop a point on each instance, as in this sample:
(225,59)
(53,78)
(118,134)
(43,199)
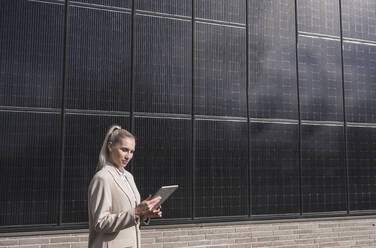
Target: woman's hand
(145,208)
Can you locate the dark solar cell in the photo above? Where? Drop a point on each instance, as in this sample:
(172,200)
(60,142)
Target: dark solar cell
(323,169)
(31,45)
(220,85)
(275,168)
(360,82)
(320,79)
(222,10)
(30,167)
(112,3)
(163,62)
(177,7)
(359,19)
(361,147)
(99,60)
(272,59)
(84,139)
(164,157)
(221,168)
(319,16)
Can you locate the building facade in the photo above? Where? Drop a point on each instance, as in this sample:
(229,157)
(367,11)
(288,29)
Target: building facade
(258,109)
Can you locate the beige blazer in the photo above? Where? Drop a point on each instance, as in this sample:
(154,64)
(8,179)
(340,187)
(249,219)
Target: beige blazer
(111,203)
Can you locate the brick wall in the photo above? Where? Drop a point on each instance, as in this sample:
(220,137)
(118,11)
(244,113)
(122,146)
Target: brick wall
(352,232)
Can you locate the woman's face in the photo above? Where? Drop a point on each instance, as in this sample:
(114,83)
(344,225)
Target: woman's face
(121,153)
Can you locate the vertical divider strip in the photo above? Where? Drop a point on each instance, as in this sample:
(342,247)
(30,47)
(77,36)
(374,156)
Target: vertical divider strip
(344,111)
(193,115)
(132,88)
(248,109)
(299,116)
(62,127)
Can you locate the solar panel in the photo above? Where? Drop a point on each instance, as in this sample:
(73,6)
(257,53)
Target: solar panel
(32,49)
(359,19)
(320,79)
(30,164)
(323,168)
(84,139)
(275,168)
(360,82)
(221,10)
(272,59)
(99,60)
(319,16)
(221,172)
(163,62)
(176,7)
(164,157)
(220,63)
(361,149)
(112,3)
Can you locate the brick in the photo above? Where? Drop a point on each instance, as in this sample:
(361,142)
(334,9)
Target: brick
(64,239)
(174,233)
(215,236)
(262,233)
(262,244)
(5,242)
(262,239)
(175,245)
(198,243)
(147,240)
(152,246)
(239,235)
(222,241)
(151,234)
(287,227)
(239,246)
(84,238)
(31,241)
(29,246)
(79,245)
(56,246)
(245,240)
(219,230)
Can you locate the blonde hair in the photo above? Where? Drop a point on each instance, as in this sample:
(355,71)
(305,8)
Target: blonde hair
(114,134)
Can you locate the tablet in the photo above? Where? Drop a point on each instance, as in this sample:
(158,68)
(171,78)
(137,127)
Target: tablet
(164,192)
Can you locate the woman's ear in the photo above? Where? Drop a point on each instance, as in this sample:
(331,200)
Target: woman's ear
(109,146)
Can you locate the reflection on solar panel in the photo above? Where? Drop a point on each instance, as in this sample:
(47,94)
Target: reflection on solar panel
(272,60)
(360,82)
(220,85)
(320,79)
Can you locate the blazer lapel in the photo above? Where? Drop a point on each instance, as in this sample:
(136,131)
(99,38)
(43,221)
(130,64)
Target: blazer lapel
(112,170)
(134,188)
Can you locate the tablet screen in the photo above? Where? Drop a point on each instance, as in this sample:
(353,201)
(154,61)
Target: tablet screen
(164,192)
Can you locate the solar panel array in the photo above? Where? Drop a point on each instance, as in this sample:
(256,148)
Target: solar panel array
(254,107)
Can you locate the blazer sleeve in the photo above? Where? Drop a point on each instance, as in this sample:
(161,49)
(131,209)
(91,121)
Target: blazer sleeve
(100,201)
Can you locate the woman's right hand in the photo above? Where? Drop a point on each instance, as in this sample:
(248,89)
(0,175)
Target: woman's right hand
(145,208)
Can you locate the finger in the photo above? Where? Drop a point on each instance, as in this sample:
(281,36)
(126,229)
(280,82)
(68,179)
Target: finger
(148,198)
(155,200)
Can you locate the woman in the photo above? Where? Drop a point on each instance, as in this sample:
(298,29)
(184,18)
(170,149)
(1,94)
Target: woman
(114,204)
